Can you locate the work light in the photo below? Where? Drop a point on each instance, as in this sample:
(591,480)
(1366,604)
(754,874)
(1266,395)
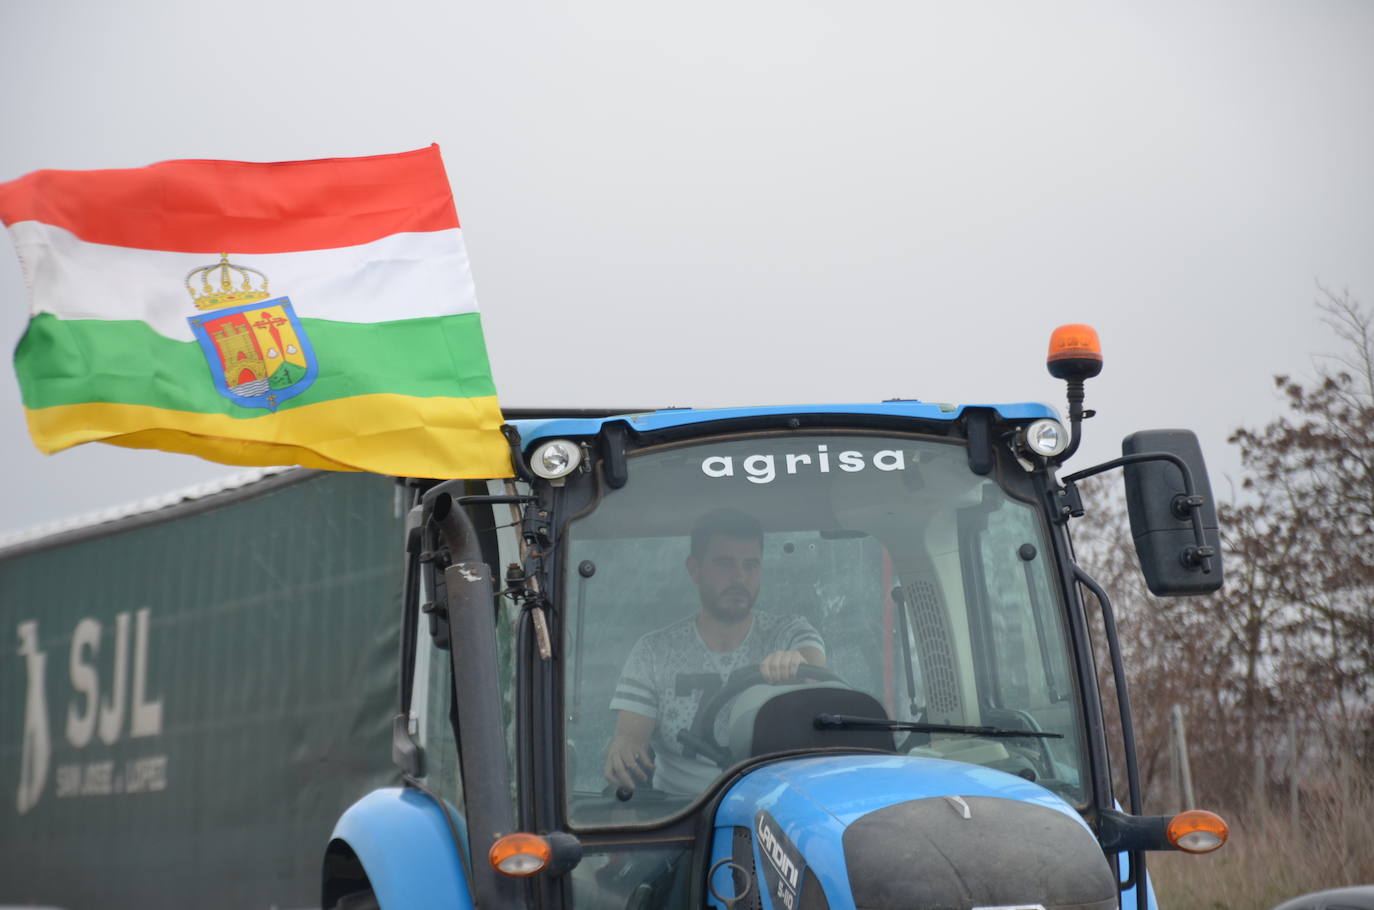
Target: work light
(1046,438)
(556,458)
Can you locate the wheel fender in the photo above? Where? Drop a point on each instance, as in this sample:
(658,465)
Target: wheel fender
(406,847)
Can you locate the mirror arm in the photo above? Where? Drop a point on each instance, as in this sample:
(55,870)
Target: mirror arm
(1185,507)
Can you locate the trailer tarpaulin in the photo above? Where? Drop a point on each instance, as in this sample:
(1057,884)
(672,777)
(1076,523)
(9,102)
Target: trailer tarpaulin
(188,705)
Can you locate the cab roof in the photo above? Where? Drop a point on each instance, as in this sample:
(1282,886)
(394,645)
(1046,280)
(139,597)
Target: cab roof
(535,429)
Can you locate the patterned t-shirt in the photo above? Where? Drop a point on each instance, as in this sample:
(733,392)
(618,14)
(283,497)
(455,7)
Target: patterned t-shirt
(667,673)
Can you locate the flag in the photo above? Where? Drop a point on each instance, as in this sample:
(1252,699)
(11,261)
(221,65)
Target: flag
(319,313)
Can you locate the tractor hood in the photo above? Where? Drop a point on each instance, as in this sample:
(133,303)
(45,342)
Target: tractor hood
(877,832)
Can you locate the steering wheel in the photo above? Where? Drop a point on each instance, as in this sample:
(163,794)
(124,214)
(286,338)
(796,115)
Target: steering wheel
(701,736)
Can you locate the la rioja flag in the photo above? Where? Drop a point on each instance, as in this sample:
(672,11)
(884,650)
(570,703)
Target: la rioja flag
(318,313)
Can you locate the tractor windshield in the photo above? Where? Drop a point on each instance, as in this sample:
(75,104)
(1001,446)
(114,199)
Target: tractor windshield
(736,588)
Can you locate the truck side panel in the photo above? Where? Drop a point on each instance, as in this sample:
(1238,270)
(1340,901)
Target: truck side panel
(187,706)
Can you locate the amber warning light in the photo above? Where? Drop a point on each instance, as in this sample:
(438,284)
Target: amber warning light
(1197,831)
(520,854)
(1075,352)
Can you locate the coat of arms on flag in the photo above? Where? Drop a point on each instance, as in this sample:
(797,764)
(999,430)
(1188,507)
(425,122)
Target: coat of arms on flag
(258,353)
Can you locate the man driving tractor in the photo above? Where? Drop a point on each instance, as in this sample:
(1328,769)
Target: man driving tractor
(671,670)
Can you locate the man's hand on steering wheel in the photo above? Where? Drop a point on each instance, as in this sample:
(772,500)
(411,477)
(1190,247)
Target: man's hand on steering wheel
(629,763)
(781,666)
(629,758)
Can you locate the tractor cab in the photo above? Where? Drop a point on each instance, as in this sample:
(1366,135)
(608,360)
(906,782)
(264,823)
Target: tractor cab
(903,548)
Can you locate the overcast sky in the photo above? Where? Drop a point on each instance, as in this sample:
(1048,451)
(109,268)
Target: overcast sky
(761,203)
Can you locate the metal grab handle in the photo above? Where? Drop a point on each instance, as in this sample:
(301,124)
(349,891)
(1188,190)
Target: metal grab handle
(730,864)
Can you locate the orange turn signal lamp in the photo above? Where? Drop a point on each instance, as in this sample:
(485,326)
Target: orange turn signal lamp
(1193,831)
(1197,831)
(1075,352)
(522,854)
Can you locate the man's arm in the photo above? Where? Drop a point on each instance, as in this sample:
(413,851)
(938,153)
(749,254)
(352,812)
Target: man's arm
(629,761)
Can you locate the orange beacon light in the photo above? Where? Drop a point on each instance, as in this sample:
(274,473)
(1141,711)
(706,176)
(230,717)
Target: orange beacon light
(1075,353)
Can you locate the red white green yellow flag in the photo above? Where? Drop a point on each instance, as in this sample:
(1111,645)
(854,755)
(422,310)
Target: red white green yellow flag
(318,313)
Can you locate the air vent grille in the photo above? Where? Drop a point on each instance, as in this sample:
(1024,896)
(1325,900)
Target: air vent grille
(933,646)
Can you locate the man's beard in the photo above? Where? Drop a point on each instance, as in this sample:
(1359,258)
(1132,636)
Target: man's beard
(731,605)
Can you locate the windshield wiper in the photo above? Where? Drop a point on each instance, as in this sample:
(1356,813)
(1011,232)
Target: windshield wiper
(850,722)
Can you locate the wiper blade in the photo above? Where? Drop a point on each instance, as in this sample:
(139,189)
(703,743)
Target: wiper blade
(850,722)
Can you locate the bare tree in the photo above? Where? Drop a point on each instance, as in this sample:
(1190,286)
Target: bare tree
(1312,475)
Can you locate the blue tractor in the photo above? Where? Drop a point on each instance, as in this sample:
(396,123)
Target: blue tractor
(831,656)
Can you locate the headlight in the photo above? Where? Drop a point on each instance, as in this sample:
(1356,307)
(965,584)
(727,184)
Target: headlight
(1046,438)
(556,458)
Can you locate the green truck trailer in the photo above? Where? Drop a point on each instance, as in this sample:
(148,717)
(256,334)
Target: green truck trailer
(194,694)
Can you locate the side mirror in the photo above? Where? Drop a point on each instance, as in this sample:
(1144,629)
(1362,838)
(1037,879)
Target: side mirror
(1161,515)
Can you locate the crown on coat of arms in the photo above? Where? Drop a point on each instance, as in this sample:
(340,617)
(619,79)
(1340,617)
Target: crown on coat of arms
(211,298)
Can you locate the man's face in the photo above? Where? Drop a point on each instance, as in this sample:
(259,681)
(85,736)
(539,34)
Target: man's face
(727,576)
